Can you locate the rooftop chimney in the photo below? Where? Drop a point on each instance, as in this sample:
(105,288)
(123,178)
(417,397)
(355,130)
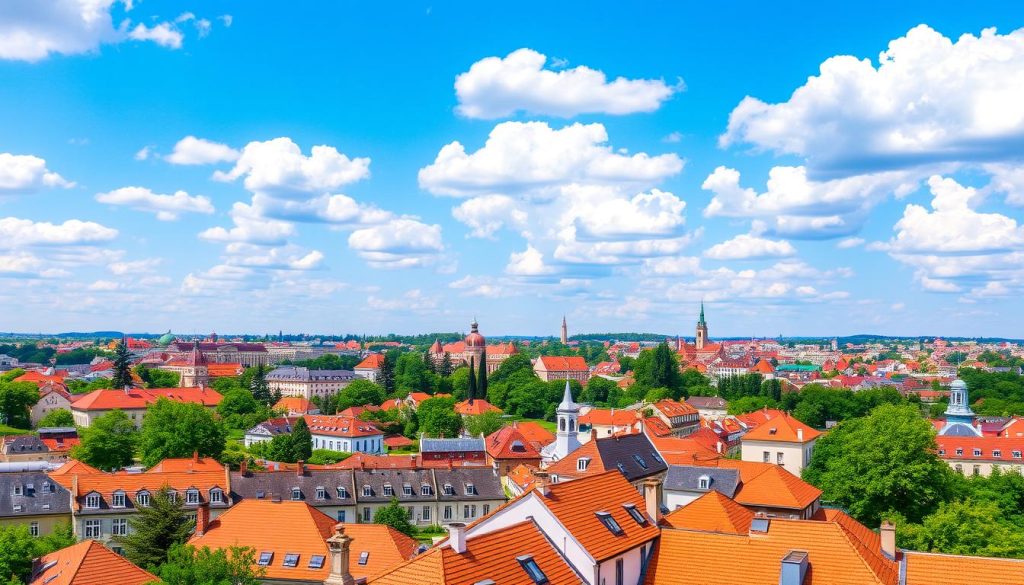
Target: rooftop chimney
(543,482)
(800,434)
(457,537)
(651,500)
(339,545)
(243,466)
(888,533)
(195,457)
(718,446)
(202,518)
(794,568)
(300,468)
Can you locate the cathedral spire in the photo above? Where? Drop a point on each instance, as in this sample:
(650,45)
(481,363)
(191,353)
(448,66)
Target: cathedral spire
(701,320)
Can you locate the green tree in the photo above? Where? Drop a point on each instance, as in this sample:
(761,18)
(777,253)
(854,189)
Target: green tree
(597,391)
(158,378)
(302,441)
(188,565)
(750,404)
(411,374)
(155,529)
(16,401)
(965,527)
(395,516)
(359,393)
(471,390)
(327,457)
(58,417)
(437,417)
(446,365)
(17,549)
(387,372)
(122,366)
(884,461)
(481,381)
(483,424)
(108,443)
(260,387)
(659,368)
(177,429)
(460,382)
(239,409)
(11,375)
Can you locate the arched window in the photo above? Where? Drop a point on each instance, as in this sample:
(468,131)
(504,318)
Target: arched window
(561,424)
(572,425)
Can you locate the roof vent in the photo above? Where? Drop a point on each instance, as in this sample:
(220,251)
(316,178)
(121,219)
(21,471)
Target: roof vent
(794,568)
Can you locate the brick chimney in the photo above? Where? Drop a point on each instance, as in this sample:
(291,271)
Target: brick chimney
(202,518)
(652,502)
(339,545)
(888,533)
(543,482)
(300,468)
(243,467)
(457,537)
(800,435)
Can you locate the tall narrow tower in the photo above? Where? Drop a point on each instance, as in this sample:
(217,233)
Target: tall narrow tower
(565,331)
(702,329)
(568,413)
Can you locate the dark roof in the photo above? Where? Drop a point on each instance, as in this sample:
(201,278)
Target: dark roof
(274,426)
(428,445)
(35,500)
(292,373)
(486,484)
(687,478)
(706,402)
(633,455)
(279,484)
(24,444)
(396,478)
(207,346)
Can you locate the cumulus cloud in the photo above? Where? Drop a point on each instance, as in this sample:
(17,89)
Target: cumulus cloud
(15,232)
(250,228)
(166,207)
(288,257)
(1008,179)
(750,247)
(163,34)
(277,167)
(532,155)
(497,87)
(23,264)
(134,267)
(847,243)
(414,300)
(25,173)
(339,210)
(929,99)
(657,213)
(529,262)
(486,214)
(400,243)
(788,281)
(221,279)
(672,266)
(199,151)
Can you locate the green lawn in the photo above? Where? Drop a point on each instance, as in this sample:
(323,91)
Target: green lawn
(8,430)
(549,425)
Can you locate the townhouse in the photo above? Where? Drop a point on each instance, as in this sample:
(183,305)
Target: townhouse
(548,368)
(681,418)
(306,383)
(342,433)
(782,440)
(135,401)
(35,499)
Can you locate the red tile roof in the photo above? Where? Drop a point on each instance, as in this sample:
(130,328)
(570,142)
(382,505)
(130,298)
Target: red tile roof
(295,405)
(87,563)
(224,370)
(992,448)
(939,569)
(509,443)
(609,417)
(340,426)
(374,361)
(671,408)
(782,428)
(554,363)
(477,406)
(140,398)
(712,512)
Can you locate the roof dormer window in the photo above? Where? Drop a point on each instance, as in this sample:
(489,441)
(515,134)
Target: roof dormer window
(977,452)
(407,489)
(635,514)
(582,463)
(142,499)
(117,500)
(449,490)
(216,496)
(609,523)
(425,490)
(388,491)
(92,501)
(342,492)
(704,482)
(296,493)
(470,489)
(367,491)
(192,496)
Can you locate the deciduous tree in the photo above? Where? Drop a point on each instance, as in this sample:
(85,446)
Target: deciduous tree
(108,443)
(177,429)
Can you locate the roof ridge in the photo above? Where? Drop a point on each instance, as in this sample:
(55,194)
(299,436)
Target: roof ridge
(859,545)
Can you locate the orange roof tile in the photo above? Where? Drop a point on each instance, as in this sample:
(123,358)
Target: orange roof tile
(340,426)
(671,408)
(534,432)
(474,407)
(783,428)
(657,426)
(574,505)
(712,512)
(298,528)
(491,556)
(371,362)
(609,417)
(295,404)
(106,484)
(763,367)
(140,398)
(508,443)
(940,569)
(553,363)
(186,464)
(224,370)
(87,563)
(567,466)
(777,488)
(74,466)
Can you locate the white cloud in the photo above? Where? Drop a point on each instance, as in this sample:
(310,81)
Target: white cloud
(277,167)
(788,281)
(1008,179)
(24,264)
(222,279)
(657,213)
(24,173)
(929,99)
(31,31)
(414,300)
(750,247)
(532,155)
(134,267)
(199,151)
(847,243)
(340,210)
(166,207)
(486,214)
(609,253)
(144,153)
(281,258)
(203,26)
(529,262)
(103,286)
(673,137)
(250,228)
(227,19)
(163,34)
(497,87)
(400,243)
(672,266)
(15,232)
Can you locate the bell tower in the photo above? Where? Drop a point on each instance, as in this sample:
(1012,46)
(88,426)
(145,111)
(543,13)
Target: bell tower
(702,330)
(566,440)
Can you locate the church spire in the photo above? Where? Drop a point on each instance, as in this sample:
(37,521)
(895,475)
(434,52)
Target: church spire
(701,320)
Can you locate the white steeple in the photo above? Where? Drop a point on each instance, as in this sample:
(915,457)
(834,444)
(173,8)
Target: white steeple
(568,413)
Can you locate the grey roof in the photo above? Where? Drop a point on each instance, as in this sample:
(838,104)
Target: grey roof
(706,402)
(686,478)
(304,374)
(40,494)
(377,479)
(633,455)
(24,444)
(486,484)
(268,485)
(428,445)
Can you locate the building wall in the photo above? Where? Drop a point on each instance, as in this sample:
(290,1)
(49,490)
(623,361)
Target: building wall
(47,523)
(373,444)
(307,388)
(677,499)
(982,467)
(795,456)
(50,402)
(107,522)
(369,374)
(461,511)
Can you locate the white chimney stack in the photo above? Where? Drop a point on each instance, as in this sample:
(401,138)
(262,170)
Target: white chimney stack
(888,534)
(457,537)
(800,435)
(651,502)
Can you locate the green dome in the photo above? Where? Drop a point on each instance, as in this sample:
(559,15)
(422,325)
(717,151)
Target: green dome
(166,338)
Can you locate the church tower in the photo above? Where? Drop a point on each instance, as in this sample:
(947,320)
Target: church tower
(702,329)
(568,412)
(565,331)
(196,372)
(959,416)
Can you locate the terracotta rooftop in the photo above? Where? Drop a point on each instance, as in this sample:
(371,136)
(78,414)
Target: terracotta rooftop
(140,398)
(371,362)
(553,363)
(87,563)
(509,443)
(782,428)
(476,406)
(712,512)
(939,569)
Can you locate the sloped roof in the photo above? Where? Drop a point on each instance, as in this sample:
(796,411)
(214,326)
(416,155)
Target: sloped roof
(554,363)
(940,569)
(777,488)
(371,362)
(712,512)
(782,428)
(87,563)
(194,463)
(508,443)
(687,478)
(140,398)
(475,406)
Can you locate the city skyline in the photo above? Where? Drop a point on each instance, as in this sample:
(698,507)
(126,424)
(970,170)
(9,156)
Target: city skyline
(402,168)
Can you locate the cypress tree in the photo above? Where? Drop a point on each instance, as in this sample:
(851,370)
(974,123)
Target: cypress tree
(122,366)
(155,529)
(471,391)
(446,365)
(302,441)
(260,387)
(481,382)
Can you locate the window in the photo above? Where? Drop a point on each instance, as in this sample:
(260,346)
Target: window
(364,557)
(119,526)
(767,457)
(92,528)
(33,529)
(216,496)
(997,453)
(117,500)
(426,513)
(449,490)
(977,452)
(959,451)
(341,515)
(704,482)
(367,492)
(142,499)
(192,497)
(406,489)
(366,513)
(18,489)
(635,514)
(424,490)
(316,561)
(977,470)
(656,457)
(619,570)
(291,560)
(92,501)
(1016,454)
(609,523)
(779,457)
(530,566)
(470,489)
(640,461)
(387,490)
(959,469)
(321,493)
(622,469)
(172,496)
(296,494)
(260,494)
(582,463)
(342,493)
(447,512)
(17,507)
(942,452)
(487,509)
(469,511)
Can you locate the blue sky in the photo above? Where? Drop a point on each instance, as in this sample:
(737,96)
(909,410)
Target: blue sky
(402,167)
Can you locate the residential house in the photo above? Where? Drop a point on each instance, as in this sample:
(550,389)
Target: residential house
(52,397)
(605,422)
(35,499)
(268,429)
(782,440)
(973,455)
(330,491)
(342,433)
(16,448)
(135,401)
(508,448)
(475,406)
(633,456)
(549,367)
(685,483)
(87,563)
(711,407)
(431,495)
(463,450)
(296,406)
(306,383)
(681,418)
(369,368)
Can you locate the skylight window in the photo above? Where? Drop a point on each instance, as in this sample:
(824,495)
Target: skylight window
(364,557)
(265,558)
(316,561)
(640,461)
(609,523)
(530,566)
(291,560)
(635,514)
(622,468)
(656,457)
